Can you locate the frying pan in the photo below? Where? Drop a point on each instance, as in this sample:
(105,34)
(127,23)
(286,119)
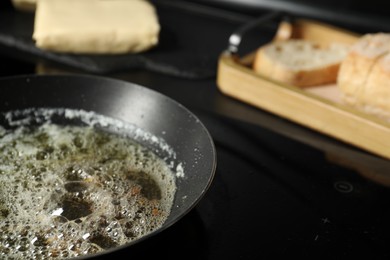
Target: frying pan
(132,103)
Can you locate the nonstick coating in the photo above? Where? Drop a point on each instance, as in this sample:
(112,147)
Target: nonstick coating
(132,103)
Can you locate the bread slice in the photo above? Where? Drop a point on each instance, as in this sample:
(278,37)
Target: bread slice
(364,77)
(96,26)
(299,62)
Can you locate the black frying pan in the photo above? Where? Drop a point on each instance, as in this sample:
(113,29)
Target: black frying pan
(132,103)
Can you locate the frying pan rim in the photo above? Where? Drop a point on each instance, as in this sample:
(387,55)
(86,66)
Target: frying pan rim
(213,159)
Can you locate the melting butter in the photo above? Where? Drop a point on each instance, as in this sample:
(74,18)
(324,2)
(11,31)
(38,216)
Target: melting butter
(67,191)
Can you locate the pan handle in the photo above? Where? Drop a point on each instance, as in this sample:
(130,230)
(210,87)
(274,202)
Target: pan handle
(284,31)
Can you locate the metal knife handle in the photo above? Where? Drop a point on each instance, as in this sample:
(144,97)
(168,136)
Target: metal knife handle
(237,36)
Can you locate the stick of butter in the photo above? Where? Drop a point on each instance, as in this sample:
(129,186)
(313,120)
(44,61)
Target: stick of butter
(96,26)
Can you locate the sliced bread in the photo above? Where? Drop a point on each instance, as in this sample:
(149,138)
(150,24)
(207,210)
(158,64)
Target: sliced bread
(299,62)
(364,77)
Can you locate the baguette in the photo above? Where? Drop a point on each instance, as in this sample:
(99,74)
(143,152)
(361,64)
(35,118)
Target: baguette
(364,77)
(300,63)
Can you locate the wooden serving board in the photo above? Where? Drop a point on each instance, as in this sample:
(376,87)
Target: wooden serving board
(319,108)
